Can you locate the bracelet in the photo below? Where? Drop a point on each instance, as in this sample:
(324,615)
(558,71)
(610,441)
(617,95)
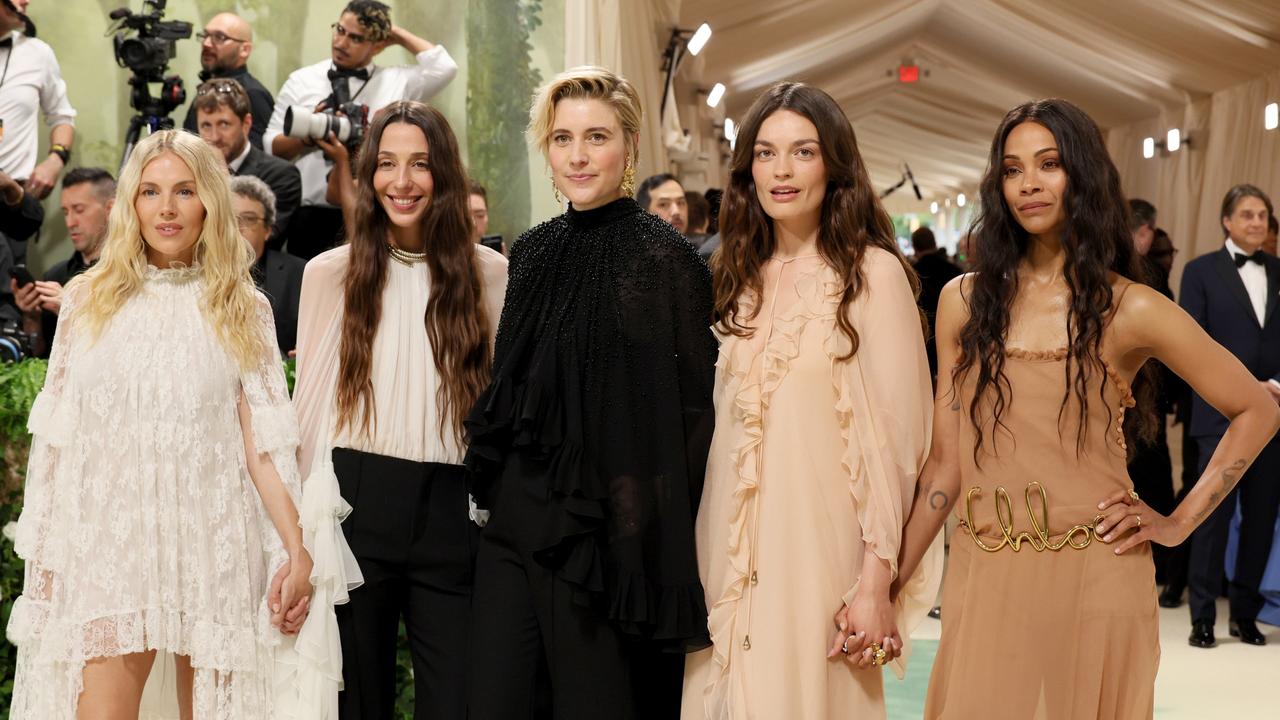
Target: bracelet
(62,151)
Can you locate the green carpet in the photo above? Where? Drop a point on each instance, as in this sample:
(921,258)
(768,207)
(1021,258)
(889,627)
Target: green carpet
(905,699)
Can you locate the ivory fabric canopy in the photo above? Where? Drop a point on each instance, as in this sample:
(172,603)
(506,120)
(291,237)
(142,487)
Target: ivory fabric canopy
(1135,65)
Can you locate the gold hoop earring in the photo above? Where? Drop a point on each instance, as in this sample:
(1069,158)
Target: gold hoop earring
(556,191)
(629,180)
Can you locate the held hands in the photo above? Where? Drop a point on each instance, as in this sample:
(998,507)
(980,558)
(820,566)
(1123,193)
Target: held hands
(868,620)
(289,598)
(1124,511)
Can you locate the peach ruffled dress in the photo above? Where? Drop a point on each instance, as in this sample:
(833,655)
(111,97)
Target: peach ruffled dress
(1038,633)
(814,459)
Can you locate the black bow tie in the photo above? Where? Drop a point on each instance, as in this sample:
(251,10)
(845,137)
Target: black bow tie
(1241,258)
(335,73)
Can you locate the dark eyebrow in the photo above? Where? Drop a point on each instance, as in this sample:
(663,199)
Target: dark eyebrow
(1039,152)
(797,143)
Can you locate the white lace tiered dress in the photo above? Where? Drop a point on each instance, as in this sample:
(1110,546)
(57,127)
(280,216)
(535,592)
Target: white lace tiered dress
(141,527)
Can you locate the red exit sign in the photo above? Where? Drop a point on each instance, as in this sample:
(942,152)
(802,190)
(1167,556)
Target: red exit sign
(908,73)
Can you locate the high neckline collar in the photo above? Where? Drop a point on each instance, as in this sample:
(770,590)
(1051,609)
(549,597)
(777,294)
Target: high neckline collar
(603,215)
(176,274)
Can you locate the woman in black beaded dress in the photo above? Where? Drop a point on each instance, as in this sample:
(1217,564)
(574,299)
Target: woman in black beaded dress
(590,444)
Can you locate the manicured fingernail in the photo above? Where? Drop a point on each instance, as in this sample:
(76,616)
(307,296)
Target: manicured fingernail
(1102,505)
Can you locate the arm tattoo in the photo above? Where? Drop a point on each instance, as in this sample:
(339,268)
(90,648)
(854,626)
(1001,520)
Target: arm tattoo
(1229,478)
(938,500)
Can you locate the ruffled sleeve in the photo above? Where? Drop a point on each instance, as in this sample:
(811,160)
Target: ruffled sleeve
(309,665)
(52,423)
(884,406)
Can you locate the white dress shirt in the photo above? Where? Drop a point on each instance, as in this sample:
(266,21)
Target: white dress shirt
(309,85)
(1254,276)
(32,84)
(234,165)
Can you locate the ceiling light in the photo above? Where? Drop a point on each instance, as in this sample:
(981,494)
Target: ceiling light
(1149,148)
(960,200)
(730,130)
(1174,140)
(699,39)
(933,207)
(713,97)
(1271,116)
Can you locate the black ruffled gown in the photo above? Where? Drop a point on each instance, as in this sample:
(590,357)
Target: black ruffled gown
(589,448)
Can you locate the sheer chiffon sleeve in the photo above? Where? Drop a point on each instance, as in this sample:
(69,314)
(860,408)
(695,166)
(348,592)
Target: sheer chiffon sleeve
(884,406)
(310,669)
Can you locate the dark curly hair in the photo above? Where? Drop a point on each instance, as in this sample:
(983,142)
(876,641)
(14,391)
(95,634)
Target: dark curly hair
(373,16)
(1097,241)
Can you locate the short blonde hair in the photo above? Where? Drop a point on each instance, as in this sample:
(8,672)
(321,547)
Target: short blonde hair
(587,82)
(224,256)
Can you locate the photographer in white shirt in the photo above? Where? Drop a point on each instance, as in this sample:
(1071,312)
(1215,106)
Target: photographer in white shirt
(363,30)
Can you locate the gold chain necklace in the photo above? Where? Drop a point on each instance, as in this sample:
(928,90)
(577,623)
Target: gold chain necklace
(404,257)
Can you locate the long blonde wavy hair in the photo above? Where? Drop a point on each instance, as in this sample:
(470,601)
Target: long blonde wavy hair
(224,256)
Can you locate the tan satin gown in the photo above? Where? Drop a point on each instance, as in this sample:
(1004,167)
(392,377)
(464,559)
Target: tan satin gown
(1068,634)
(813,459)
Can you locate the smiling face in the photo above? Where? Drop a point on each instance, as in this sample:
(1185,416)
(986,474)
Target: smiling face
(788,169)
(170,212)
(1247,223)
(587,152)
(402,177)
(1033,179)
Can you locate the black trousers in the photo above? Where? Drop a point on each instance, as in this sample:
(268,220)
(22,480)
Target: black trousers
(1152,473)
(314,229)
(410,531)
(1259,494)
(537,654)
(1178,561)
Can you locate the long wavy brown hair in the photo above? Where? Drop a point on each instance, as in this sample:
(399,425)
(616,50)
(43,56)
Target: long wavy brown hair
(852,217)
(1096,242)
(456,323)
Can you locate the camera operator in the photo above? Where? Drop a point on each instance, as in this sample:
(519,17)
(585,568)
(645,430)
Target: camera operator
(30,84)
(87,196)
(225,45)
(363,30)
(226,123)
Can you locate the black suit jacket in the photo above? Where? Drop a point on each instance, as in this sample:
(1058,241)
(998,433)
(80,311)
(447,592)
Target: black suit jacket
(1213,294)
(284,180)
(261,105)
(279,276)
(935,271)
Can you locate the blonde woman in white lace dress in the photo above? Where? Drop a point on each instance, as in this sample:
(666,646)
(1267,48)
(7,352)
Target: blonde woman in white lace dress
(162,490)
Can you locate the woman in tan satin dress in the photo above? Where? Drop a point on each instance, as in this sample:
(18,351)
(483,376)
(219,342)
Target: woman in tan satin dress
(817,445)
(1049,606)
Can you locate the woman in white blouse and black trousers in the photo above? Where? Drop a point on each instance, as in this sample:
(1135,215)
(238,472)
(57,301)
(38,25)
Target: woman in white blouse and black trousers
(395,338)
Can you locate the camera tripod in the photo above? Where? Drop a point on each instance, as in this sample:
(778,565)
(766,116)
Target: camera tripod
(153,112)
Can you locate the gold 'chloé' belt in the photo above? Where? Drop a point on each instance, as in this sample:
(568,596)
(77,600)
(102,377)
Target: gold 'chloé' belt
(1078,537)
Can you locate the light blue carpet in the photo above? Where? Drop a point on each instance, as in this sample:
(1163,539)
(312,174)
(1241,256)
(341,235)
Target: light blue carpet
(905,699)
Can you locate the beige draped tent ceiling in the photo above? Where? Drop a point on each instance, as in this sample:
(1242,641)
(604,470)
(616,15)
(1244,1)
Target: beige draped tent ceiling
(1139,67)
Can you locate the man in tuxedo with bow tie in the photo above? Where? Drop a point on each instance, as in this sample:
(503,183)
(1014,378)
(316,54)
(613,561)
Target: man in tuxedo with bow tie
(1234,293)
(363,30)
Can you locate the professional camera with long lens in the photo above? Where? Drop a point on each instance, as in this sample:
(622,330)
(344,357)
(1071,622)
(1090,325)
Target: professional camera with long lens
(340,115)
(145,43)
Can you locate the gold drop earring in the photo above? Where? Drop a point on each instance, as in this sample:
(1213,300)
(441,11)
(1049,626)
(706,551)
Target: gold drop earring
(629,179)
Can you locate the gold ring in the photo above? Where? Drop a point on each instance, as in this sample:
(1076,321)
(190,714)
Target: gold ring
(878,655)
(1134,494)
(1139,520)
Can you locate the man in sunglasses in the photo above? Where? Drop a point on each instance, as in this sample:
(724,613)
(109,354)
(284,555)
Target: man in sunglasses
(363,30)
(225,45)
